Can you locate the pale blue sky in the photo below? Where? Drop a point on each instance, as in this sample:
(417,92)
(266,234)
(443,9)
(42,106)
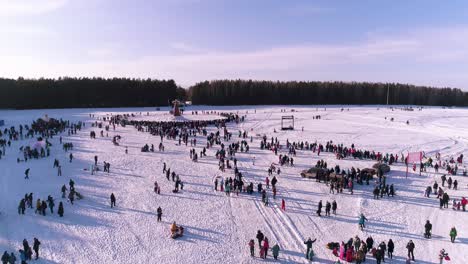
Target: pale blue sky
(420,42)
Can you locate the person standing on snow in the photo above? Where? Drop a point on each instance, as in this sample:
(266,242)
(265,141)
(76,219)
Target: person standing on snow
(159,213)
(64,191)
(112,198)
(275,250)
(390,248)
(370,242)
(12,258)
(410,247)
(334,207)
(51,203)
(274,181)
(266,246)
(453,234)
(36,245)
(60,209)
(22,207)
(427,229)
(252,247)
(362,220)
(260,238)
(327,208)
(5,257)
(319,210)
(309,243)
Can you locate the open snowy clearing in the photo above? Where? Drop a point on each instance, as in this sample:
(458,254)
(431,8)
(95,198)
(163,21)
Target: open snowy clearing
(217,227)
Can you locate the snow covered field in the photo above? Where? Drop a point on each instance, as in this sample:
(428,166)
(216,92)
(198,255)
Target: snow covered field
(218,227)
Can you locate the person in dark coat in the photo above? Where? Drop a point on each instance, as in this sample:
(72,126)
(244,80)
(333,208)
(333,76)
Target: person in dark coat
(43,207)
(25,245)
(334,207)
(36,245)
(159,213)
(5,258)
(427,229)
(383,248)
(378,256)
(12,258)
(370,242)
(390,248)
(327,208)
(319,210)
(50,200)
(260,238)
(112,198)
(60,209)
(309,243)
(22,207)
(27,250)
(410,247)
(274,181)
(445,199)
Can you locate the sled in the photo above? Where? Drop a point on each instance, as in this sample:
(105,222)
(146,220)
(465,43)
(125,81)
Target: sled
(447,258)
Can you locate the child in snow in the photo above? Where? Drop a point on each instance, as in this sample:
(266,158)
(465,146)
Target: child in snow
(443,255)
(252,247)
(275,249)
(453,234)
(262,252)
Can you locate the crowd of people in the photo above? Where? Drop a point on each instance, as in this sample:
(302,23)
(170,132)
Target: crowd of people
(225,147)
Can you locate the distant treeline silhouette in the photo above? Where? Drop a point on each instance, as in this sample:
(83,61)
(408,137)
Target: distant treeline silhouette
(124,92)
(248,92)
(85,92)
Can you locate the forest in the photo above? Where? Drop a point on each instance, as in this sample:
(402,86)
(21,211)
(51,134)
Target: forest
(248,92)
(85,92)
(124,92)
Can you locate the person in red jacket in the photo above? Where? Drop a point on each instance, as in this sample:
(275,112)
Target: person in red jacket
(283,205)
(463,203)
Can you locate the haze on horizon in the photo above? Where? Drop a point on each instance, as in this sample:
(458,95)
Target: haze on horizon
(418,42)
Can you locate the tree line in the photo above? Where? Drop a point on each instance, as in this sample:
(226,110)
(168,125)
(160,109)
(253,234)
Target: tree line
(86,92)
(124,92)
(248,92)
